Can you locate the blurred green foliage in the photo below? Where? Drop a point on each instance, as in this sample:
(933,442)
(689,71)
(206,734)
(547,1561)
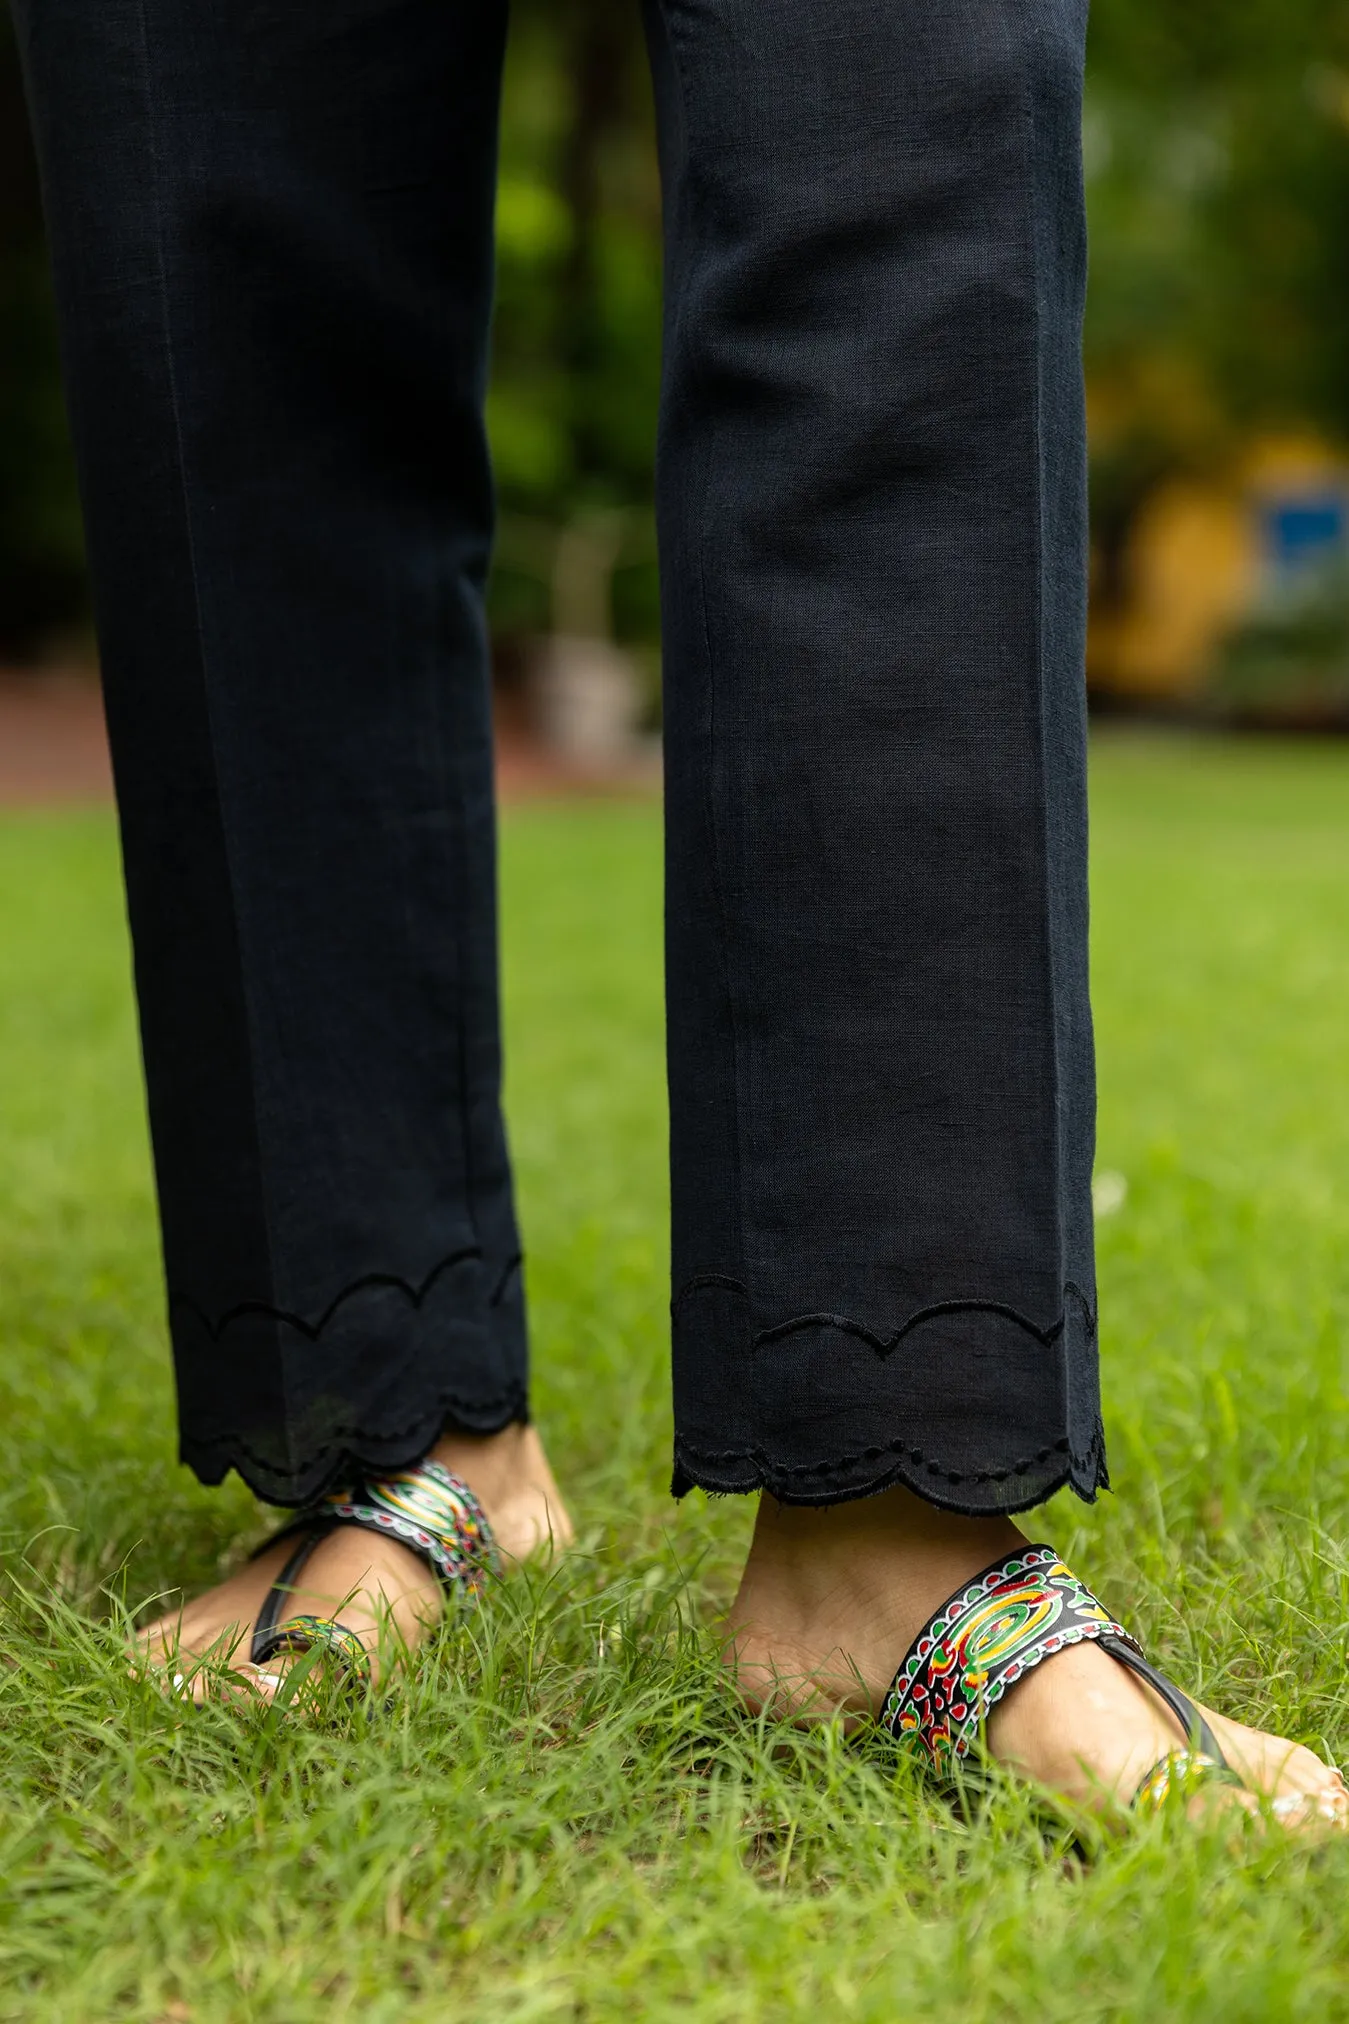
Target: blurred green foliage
(577,348)
(1217,153)
(1216,144)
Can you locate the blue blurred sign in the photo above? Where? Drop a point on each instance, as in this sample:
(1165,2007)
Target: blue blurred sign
(1303,531)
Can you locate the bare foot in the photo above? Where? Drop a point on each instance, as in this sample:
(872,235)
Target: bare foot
(830,1601)
(375,1585)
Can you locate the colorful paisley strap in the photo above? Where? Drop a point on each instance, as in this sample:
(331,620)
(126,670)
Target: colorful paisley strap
(428,1509)
(981,1642)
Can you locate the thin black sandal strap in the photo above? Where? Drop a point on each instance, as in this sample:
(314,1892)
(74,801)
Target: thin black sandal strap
(299,1634)
(279,1594)
(1200,1762)
(1198,1735)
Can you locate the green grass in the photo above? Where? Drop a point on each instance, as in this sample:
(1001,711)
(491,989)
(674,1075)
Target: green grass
(562,1819)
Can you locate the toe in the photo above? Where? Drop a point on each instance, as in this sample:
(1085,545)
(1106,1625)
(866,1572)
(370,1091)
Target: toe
(258,1682)
(1272,1765)
(1285,1780)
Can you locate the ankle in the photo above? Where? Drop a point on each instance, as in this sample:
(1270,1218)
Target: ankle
(817,1558)
(493,1465)
(509,1474)
(858,1579)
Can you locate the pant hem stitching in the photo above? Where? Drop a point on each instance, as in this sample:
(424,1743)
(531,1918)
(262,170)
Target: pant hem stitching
(744,1470)
(884,1343)
(415,1295)
(348,1448)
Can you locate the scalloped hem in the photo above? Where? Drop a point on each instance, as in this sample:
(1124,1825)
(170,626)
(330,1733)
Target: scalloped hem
(349,1451)
(971,1494)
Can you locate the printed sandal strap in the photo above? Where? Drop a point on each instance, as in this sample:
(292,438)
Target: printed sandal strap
(991,1633)
(429,1509)
(426,1508)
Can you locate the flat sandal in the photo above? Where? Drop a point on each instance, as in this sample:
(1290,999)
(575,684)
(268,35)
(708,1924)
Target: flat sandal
(426,1508)
(991,1633)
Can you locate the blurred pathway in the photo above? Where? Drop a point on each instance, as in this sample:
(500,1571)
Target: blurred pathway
(52,745)
(53,751)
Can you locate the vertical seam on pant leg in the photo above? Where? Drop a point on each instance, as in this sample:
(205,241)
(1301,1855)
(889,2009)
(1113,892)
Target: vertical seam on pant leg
(466,1101)
(180,465)
(718,881)
(1019,41)
(456,785)
(457,770)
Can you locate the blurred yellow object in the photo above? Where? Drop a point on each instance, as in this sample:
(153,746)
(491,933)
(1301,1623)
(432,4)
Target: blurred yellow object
(1200,556)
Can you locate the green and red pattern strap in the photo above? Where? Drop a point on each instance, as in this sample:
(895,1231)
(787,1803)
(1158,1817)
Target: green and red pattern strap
(991,1633)
(1020,1611)
(428,1509)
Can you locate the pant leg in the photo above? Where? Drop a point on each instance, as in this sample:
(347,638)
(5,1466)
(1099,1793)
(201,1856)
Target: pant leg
(271,225)
(872,513)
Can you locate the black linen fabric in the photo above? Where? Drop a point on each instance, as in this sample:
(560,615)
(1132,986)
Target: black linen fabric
(271,229)
(873,510)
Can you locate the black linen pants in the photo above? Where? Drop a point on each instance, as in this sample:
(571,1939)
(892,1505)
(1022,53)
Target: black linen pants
(271,223)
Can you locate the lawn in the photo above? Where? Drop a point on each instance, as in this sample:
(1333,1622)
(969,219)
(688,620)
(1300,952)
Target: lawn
(562,1818)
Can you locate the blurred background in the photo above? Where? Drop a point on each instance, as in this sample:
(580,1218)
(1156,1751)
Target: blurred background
(1217,160)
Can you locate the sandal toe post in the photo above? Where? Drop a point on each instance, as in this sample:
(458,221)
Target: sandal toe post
(991,1633)
(300,1634)
(1179,1775)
